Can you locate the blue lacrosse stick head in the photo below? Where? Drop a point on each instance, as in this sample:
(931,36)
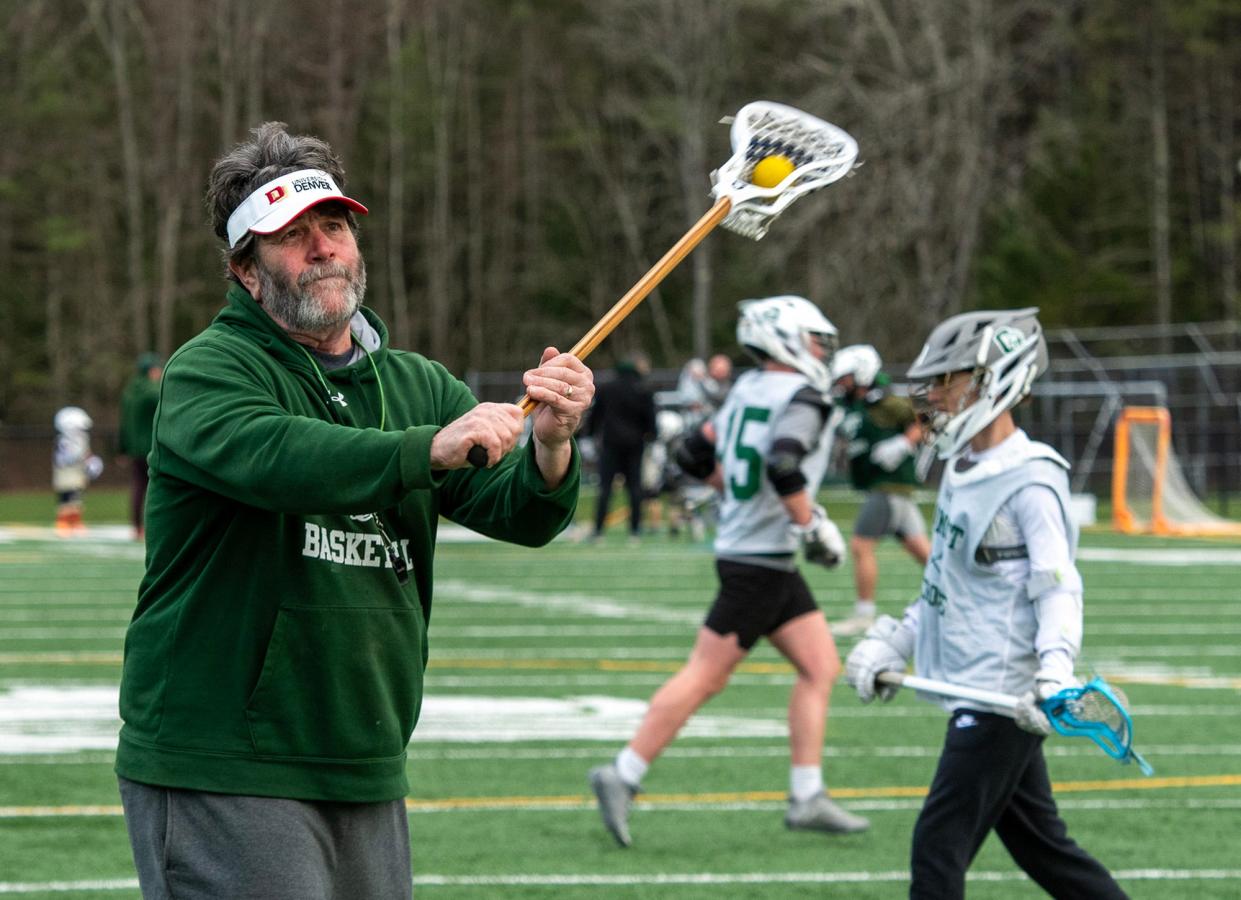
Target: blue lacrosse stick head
(1094,711)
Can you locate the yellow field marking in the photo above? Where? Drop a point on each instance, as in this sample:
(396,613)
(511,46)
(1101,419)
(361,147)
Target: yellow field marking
(764,668)
(21,812)
(1145,784)
(602,665)
(870,793)
(574,800)
(1185,681)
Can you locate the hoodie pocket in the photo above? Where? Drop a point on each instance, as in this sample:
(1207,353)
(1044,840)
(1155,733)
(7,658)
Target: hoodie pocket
(338,683)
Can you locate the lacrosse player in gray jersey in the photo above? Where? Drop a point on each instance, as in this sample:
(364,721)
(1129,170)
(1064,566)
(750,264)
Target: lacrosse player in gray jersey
(1000,609)
(766,450)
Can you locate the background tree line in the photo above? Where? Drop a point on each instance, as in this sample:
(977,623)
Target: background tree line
(526,161)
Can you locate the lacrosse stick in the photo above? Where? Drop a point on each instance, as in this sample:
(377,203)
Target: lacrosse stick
(819,153)
(1096,710)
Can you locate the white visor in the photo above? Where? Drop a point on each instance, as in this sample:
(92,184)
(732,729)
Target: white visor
(280,201)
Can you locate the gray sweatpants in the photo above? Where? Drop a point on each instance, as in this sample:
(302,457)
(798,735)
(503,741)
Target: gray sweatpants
(193,845)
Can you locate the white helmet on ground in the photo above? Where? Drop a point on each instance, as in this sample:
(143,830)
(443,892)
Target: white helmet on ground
(1003,349)
(786,328)
(859,360)
(72,419)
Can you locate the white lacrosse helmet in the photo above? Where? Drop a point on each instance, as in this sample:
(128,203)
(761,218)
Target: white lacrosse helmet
(668,424)
(1003,349)
(784,328)
(72,419)
(859,360)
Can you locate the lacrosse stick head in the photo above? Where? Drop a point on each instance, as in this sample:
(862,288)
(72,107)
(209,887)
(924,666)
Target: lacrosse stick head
(1100,712)
(819,152)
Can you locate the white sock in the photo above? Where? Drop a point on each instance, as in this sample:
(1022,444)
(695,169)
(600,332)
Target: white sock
(805,782)
(631,767)
(862,607)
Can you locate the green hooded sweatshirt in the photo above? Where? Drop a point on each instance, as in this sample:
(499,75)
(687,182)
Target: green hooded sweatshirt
(876,417)
(274,651)
(138,402)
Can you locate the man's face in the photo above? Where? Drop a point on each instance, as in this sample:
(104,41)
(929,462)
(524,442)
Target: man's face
(309,275)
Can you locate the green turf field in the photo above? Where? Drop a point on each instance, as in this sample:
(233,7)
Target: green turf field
(541,664)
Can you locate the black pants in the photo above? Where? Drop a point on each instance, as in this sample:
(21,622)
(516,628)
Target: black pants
(138,491)
(627,461)
(992,774)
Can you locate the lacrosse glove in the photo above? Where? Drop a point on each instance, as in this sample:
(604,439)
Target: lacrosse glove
(1029,711)
(886,647)
(890,453)
(820,539)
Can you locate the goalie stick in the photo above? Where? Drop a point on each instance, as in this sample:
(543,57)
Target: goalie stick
(820,153)
(1095,710)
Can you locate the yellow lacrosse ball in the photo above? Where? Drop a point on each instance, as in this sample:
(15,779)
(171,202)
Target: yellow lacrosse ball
(771,170)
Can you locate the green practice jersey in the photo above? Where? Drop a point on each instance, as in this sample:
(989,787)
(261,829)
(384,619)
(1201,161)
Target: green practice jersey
(868,422)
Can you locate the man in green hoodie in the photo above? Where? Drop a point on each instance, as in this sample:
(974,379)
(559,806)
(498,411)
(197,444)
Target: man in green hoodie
(299,466)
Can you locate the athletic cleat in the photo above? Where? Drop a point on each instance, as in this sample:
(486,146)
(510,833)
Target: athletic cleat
(820,813)
(614,797)
(854,625)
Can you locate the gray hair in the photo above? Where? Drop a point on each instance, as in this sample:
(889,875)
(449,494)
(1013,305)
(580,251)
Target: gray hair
(273,152)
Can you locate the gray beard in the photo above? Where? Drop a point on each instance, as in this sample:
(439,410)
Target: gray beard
(301,308)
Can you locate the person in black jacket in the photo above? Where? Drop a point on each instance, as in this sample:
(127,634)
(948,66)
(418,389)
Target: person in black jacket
(622,422)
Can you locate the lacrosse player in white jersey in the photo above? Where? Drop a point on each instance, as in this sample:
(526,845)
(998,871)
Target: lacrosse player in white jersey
(766,450)
(1000,609)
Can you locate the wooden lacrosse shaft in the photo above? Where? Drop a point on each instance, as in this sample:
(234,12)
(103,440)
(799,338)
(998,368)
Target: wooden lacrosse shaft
(628,303)
(943,689)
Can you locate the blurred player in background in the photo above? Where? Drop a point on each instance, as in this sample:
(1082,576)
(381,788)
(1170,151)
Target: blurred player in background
(1000,609)
(622,423)
(690,503)
(880,433)
(138,403)
(771,442)
(703,386)
(74,467)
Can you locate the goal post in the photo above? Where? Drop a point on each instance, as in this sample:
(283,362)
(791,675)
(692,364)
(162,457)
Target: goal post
(1149,492)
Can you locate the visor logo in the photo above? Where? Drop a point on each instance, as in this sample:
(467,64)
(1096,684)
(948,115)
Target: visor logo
(275,194)
(312,183)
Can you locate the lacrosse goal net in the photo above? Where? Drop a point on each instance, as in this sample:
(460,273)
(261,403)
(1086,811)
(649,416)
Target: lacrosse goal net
(1149,492)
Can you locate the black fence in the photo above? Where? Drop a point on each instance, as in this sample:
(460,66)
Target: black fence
(1193,370)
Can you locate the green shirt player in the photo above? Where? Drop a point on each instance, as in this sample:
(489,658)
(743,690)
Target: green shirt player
(138,403)
(880,433)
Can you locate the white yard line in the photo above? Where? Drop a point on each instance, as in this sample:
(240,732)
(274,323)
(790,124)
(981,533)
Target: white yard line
(576,604)
(552,880)
(40,719)
(1165,556)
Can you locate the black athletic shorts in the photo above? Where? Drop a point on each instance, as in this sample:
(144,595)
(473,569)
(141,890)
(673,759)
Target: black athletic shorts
(754,601)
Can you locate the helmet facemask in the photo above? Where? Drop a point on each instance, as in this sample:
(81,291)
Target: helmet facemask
(1003,352)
